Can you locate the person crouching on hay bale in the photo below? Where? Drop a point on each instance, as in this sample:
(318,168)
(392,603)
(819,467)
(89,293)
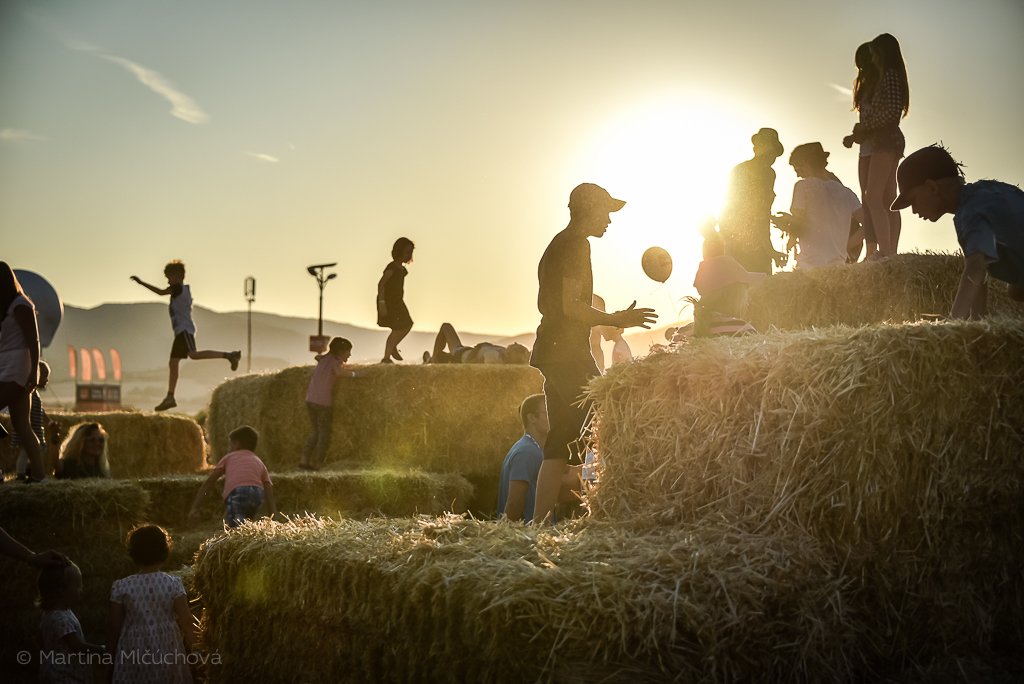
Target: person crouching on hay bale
(824,212)
(988,216)
(84,453)
(246,480)
(562,350)
(722,284)
(448,348)
(320,400)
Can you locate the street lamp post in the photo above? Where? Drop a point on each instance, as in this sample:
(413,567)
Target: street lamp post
(250,296)
(318,343)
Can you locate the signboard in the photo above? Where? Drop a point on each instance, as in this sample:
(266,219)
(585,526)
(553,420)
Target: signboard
(318,343)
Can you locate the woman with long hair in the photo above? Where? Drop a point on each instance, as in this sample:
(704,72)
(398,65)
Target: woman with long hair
(19,363)
(84,453)
(882,97)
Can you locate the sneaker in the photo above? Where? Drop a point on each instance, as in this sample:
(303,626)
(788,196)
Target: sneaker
(167,403)
(396,356)
(426,357)
(233,357)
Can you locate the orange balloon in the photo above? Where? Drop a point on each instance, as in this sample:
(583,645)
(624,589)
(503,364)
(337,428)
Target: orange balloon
(657,264)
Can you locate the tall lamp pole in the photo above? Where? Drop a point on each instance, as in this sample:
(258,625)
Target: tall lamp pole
(318,343)
(250,296)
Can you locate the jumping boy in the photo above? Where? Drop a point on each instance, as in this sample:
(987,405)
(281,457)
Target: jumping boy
(988,217)
(246,480)
(184,346)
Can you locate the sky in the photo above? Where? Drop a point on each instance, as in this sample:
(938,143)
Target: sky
(257,137)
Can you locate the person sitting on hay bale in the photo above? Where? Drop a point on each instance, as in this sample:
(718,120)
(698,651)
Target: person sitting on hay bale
(823,211)
(84,453)
(320,400)
(448,348)
(988,216)
(246,480)
(722,284)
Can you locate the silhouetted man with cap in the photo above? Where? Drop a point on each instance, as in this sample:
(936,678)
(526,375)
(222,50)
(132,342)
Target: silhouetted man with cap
(562,350)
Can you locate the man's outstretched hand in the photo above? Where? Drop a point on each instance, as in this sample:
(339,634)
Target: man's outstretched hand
(635,318)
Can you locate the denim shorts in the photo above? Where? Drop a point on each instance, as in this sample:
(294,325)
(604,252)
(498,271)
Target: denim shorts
(242,504)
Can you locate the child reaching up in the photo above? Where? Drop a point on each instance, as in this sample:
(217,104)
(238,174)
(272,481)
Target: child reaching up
(150,623)
(320,401)
(184,346)
(60,632)
(246,480)
(391,310)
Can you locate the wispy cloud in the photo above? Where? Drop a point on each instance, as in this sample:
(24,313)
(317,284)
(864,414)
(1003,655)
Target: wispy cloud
(18,134)
(182,106)
(842,90)
(263,157)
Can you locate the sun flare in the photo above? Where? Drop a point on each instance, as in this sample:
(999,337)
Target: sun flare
(670,159)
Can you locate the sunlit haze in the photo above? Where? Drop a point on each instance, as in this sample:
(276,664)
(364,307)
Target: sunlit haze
(256,138)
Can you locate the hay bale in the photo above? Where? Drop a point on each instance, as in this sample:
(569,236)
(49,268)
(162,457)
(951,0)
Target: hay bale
(355,493)
(454,599)
(898,447)
(897,289)
(439,418)
(146,444)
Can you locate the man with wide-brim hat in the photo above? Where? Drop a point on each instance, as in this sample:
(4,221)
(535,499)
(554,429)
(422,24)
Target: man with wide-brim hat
(746,220)
(562,350)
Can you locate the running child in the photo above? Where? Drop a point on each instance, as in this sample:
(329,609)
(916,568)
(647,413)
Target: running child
(391,310)
(184,346)
(150,623)
(246,480)
(68,654)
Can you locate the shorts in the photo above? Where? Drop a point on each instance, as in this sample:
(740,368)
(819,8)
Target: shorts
(242,504)
(564,384)
(184,343)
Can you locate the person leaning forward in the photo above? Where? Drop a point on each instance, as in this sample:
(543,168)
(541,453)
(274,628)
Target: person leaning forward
(562,350)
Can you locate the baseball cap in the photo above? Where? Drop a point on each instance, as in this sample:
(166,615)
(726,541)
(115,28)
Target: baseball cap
(928,163)
(721,271)
(591,196)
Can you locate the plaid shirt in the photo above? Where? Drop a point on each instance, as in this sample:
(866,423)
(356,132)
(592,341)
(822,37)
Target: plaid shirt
(38,420)
(886,108)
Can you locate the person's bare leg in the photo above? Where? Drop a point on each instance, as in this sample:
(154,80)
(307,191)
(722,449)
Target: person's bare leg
(895,220)
(172,376)
(870,242)
(549,484)
(21,420)
(882,167)
(391,346)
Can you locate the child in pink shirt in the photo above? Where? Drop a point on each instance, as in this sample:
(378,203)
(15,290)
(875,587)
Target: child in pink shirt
(246,480)
(320,400)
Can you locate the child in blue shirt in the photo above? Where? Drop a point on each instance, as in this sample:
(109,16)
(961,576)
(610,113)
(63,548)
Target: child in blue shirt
(988,216)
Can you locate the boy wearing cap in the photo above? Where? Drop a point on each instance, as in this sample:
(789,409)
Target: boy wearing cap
(988,217)
(822,212)
(562,350)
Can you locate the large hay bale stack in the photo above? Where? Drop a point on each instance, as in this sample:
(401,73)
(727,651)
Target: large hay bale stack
(145,444)
(898,447)
(357,493)
(85,520)
(897,289)
(454,600)
(447,418)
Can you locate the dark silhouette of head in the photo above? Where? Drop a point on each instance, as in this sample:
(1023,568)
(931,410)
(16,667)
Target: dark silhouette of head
(339,345)
(588,200)
(245,437)
(402,250)
(766,144)
(149,545)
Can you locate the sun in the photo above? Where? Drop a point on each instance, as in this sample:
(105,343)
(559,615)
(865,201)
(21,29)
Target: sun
(670,158)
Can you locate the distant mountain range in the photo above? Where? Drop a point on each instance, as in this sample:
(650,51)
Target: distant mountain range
(142,335)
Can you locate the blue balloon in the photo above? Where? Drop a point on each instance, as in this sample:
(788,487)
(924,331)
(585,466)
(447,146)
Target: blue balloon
(49,308)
